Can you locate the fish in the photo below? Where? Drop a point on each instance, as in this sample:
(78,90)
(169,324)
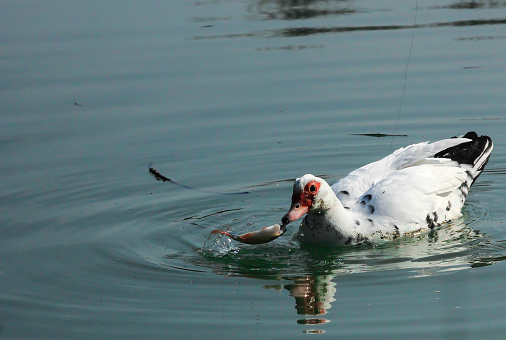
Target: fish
(263,235)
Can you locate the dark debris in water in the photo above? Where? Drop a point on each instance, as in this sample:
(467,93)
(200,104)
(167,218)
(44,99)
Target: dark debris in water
(159,177)
(377,135)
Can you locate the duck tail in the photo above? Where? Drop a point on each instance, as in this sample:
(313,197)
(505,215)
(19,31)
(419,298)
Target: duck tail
(474,153)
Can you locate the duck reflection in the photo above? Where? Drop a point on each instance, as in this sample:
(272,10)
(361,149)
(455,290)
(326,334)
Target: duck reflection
(455,246)
(447,248)
(313,294)
(313,297)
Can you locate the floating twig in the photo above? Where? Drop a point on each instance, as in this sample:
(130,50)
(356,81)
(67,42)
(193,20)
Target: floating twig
(159,177)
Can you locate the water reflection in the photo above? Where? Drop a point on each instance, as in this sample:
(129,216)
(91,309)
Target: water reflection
(306,9)
(313,296)
(311,274)
(472,4)
(305,31)
(298,9)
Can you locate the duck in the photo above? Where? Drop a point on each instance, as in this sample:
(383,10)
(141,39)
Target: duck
(415,189)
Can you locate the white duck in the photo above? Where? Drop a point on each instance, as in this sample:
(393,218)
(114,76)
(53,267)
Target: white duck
(415,188)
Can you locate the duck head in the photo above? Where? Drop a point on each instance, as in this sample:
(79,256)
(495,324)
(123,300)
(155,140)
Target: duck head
(309,193)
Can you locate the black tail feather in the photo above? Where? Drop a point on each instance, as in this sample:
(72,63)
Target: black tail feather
(471,152)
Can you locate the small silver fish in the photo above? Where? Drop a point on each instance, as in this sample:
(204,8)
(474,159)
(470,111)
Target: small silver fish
(263,235)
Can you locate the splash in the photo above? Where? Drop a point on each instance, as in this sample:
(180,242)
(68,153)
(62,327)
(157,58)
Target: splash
(218,245)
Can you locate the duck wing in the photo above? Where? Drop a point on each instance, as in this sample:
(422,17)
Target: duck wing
(424,192)
(421,195)
(350,188)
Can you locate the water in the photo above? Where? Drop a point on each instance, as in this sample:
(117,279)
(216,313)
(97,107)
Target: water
(238,96)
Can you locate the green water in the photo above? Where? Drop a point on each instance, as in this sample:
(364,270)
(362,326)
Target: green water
(238,96)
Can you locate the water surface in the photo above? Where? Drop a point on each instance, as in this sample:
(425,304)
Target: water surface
(238,96)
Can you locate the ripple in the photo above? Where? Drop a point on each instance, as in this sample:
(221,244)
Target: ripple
(186,243)
(452,247)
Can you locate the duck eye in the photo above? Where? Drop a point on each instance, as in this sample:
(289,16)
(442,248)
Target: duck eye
(312,188)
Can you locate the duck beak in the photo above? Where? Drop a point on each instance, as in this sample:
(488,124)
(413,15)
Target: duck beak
(296,211)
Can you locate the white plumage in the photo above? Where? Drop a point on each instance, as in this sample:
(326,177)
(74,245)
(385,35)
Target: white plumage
(415,188)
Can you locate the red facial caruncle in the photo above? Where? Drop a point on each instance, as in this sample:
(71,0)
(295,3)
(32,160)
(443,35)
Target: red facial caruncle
(301,202)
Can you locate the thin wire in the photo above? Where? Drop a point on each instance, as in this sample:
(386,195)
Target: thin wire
(405,77)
